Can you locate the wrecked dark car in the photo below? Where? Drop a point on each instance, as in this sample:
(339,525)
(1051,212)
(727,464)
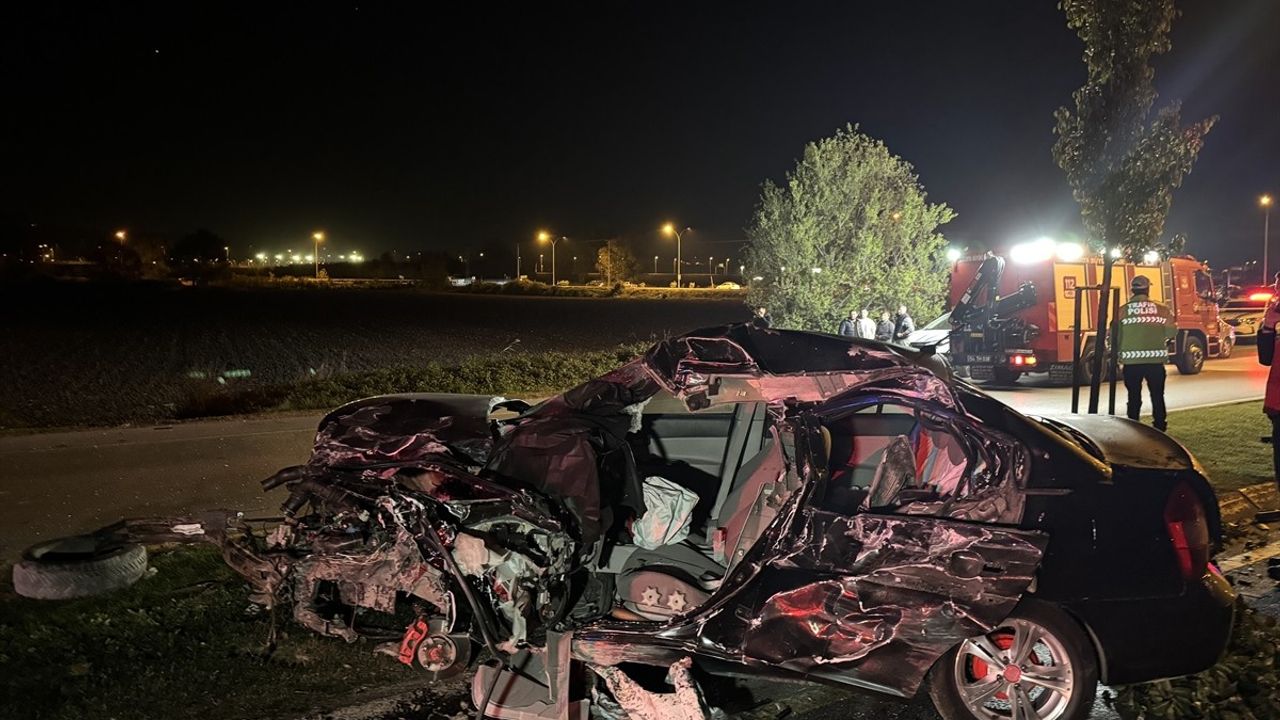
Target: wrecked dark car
(751,500)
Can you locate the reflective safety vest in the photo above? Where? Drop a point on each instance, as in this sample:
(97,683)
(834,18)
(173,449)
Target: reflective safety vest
(1146,327)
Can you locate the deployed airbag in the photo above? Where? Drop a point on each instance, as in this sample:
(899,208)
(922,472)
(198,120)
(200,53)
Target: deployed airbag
(668,510)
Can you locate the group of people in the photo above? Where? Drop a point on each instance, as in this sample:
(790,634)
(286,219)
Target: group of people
(893,328)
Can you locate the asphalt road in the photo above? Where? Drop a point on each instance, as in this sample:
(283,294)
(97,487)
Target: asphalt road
(59,483)
(1237,378)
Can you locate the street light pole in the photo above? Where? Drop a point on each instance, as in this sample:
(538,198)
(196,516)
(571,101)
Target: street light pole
(670,229)
(318,237)
(655,264)
(1265,202)
(544,236)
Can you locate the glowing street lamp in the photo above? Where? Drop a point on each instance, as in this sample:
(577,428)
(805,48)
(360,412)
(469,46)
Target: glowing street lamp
(318,237)
(669,230)
(121,235)
(655,264)
(544,236)
(1265,202)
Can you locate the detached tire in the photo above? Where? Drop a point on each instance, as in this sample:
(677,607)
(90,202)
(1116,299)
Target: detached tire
(1054,676)
(1191,359)
(78,566)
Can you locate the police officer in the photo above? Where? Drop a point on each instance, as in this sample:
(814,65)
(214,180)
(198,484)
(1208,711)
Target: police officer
(1146,327)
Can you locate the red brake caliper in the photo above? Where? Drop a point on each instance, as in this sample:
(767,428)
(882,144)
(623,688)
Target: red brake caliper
(979,669)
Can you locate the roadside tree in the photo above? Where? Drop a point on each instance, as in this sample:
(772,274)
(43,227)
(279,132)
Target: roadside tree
(1123,165)
(850,227)
(615,262)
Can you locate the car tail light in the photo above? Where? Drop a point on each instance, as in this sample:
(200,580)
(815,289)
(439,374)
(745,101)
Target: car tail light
(1188,530)
(1260,296)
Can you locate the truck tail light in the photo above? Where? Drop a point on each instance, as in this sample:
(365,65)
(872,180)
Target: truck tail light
(1188,530)
(1018,360)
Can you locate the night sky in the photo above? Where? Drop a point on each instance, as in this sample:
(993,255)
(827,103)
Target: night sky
(407,129)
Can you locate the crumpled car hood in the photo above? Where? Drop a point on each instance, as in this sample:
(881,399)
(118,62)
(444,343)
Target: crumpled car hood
(1127,443)
(404,428)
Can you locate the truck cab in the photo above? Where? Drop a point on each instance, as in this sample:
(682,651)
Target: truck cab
(1016,314)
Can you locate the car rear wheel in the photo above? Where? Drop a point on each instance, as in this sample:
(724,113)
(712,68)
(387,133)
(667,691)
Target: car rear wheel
(1037,665)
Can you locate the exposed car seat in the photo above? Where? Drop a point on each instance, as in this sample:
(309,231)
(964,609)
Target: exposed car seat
(672,579)
(660,583)
(924,449)
(859,443)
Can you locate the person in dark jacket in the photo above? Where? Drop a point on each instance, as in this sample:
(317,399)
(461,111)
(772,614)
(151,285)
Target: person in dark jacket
(903,324)
(761,318)
(884,330)
(849,325)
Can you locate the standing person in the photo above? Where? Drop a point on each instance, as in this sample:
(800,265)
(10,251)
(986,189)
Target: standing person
(761,318)
(884,331)
(903,324)
(849,325)
(1146,327)
(1266,356)
(866,327)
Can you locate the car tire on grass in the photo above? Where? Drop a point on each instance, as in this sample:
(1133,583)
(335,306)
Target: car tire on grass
(78,566)
(976,680)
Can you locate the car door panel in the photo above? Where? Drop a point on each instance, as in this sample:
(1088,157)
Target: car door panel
(875,599)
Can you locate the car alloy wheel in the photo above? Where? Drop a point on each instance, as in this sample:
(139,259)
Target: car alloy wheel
(1020,671)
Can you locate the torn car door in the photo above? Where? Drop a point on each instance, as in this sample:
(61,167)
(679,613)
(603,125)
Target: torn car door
(874,599)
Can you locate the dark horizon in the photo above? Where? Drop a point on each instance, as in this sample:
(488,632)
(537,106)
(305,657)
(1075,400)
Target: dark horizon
(399,130)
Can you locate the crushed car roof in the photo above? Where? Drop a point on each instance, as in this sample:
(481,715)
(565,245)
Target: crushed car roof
(778,366)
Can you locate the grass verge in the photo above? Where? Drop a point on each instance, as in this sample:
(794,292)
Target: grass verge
(178,644)
(1226,440)
(528,374)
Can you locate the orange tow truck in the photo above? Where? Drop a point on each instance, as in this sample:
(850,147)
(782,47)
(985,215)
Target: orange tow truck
(1016,315)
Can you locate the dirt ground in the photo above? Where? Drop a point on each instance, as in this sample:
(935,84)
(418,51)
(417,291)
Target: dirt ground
(102,354)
